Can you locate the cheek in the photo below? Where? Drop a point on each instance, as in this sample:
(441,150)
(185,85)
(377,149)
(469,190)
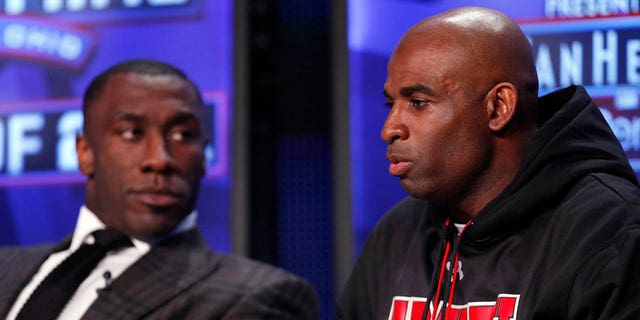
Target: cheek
(437,144)
(451,151)
(192,162)
(114,171)
(111,176)
(473,151)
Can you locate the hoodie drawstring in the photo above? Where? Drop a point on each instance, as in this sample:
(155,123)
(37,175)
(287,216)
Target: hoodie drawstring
(436,301)
(443,264)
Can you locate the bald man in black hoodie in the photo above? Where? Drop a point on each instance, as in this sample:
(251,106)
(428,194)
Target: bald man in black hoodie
(521,207)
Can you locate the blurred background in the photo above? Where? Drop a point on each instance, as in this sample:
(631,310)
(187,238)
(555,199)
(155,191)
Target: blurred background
(297,175)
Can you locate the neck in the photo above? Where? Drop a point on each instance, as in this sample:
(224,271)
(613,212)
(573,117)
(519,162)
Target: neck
(500,173)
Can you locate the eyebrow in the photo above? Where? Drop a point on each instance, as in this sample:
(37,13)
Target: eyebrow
(186,117)
(125,116)
(178,118)
(408,91)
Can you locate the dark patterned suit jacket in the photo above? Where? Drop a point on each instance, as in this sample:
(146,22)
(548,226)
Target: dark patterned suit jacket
(178,279)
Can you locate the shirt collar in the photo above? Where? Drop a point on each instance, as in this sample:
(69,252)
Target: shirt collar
(88,222)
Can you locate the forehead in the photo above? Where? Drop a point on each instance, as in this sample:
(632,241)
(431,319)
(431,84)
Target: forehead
(415,67)
(131,91)
(427,58)
(132,85)
(424,55)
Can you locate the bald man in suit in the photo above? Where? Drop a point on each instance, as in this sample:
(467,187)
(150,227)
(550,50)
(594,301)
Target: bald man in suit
(142,151)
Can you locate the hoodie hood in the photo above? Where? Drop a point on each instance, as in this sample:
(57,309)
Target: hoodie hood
(573,141)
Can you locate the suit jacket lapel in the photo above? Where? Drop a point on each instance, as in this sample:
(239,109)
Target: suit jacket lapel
(166,270)
(17,267)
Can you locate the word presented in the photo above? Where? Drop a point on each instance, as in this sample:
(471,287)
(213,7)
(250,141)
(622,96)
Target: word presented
(590,8)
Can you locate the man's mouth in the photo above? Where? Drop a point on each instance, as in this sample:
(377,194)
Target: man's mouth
(157,198)
(399,165)
(399,168)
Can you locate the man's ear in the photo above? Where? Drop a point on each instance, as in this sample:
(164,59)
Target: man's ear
(203,168)
(501,103)
(85,156)
(205,147)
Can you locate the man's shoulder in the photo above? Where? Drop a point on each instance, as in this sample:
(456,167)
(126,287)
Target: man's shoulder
(214,282)
(243,279)
(601,190)
(249,272)
(17,263)
(617,188)
(243,264)
(9,252)
(190,251)
(598,208)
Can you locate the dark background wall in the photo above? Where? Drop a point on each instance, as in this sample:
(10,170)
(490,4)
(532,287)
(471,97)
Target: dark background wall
(288,120)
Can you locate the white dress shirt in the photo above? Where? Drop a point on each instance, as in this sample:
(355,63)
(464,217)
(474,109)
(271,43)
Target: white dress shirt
(114,264)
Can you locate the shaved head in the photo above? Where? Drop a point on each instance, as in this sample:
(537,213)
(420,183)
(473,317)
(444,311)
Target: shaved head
(486,46)
(462,90)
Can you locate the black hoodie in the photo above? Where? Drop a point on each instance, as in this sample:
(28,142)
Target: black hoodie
(562,241)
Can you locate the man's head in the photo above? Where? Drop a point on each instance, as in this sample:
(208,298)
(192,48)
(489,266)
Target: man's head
(143,147)
(462,90)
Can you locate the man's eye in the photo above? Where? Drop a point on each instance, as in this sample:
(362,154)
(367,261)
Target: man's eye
(130,133)
(416,103)
(181,135)
(388,104)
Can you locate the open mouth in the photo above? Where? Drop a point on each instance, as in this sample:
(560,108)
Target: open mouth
(399,168)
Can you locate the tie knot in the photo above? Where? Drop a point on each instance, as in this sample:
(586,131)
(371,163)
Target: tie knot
(111,239)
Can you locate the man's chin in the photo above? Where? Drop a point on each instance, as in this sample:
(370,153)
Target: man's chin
(414,190)
(409,187)
(156,226)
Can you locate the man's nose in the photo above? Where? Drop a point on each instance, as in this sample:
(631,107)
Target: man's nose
(157,155)
(393,128)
